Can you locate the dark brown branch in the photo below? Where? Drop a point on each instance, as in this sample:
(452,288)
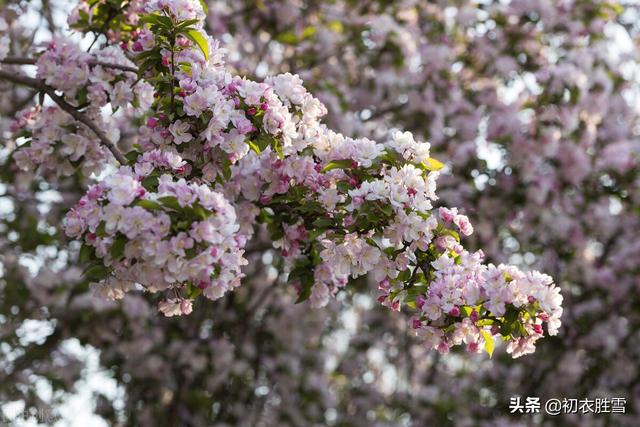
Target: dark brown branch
(48,15)
(14,60)
(77,115)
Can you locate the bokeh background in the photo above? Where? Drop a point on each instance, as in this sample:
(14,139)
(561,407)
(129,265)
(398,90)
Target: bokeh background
(534,107)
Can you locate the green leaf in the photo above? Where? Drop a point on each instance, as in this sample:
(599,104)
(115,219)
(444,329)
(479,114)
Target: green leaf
(335,26)
(275,231)
(191,253)
(404,275)
(390,156)
(452,233)
(170,202)
(466,310)
(96,272)
(264,141)
(311,207)
(100,230)
(288,37)
(505,329)
(148,204)
(277,148)
(201,212)
(308,32)
(314,234)
(485,322)
(520,330)
(337,164)
(343,186)
(226,168)
(147,61)
(148,54)
(489,343)
(194,292)
(322,223)
(184,25)
(414,291)
(511,315)
(197,37)
(117,248)
(150,19)
(616,7)
(306,281)
(86,253)
(150,183)
(265,216)
(182,225)
(159,20)
(81,96)
(302,272)
(432,164)
(304,295)
(255,147)
(185,66)
(131,156)
(387,210)
(371,242)
(205,9)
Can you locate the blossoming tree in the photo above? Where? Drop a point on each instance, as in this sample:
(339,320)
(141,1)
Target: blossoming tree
(455,101)
(216,154)
(550,88)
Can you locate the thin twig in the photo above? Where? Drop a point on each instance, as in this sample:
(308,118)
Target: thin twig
(77,115)
(96,36)
(114,66)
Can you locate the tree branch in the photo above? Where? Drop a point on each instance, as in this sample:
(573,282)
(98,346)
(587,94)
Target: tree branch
(48,15)
(114,66)
(77,115)
(14,60)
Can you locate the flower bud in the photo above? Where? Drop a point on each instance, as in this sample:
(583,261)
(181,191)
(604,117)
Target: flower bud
(443,347)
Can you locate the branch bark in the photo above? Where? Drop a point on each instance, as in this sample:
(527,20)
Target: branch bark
(77,115)
(15,60)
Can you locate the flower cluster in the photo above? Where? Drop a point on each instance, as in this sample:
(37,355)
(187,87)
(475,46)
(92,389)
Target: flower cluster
(163,234)
(463,288)
(64,66)
(92,80)
(337,207)
(57,144)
